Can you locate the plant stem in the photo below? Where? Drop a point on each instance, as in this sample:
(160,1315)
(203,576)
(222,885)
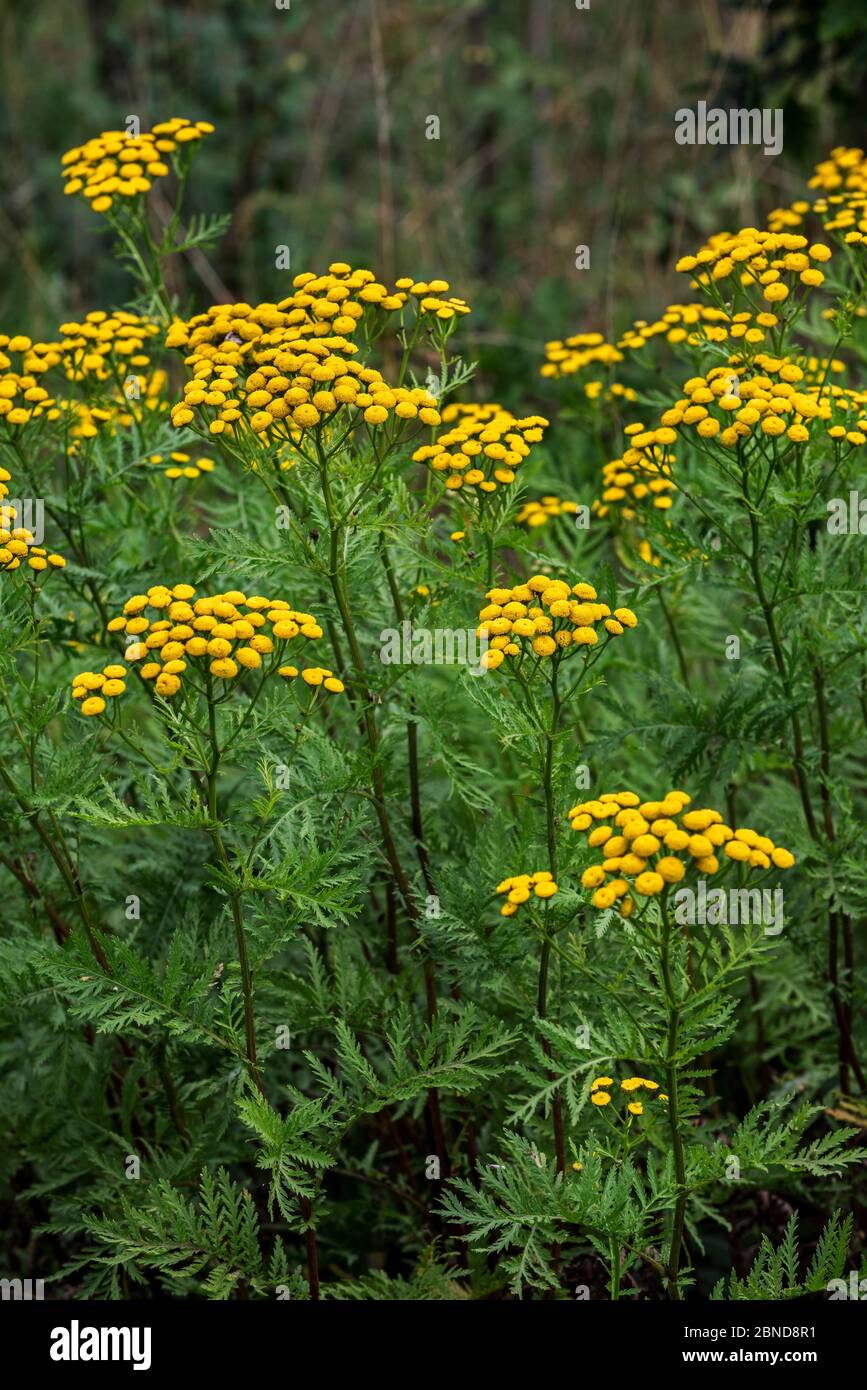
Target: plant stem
(673,1107)
(840,1002)
(614,1250)
(845,1045)
(551,836)
(360,693)
(234,895)
(246,974)
(675,637)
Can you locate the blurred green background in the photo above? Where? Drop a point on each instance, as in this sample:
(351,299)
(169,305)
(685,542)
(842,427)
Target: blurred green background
(556,128)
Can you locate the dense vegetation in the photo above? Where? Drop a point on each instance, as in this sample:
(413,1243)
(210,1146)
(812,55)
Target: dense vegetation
(433,795)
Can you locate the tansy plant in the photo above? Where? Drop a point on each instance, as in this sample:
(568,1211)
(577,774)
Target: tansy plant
(620,1105)
(116,171)
(776,432)
(476,458)
(299,910)
(762,434)
(197,656)
(82,417)
(546,636)
(668,1002)
(647,848)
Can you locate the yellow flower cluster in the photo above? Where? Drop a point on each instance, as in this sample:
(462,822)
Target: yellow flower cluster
(372,294)
(22,397)
(600,1093)
(546,617)
(732,402)
(102,349)
(93,688)
(18,545)
(119,410)
(843,172)
(302,385)
(36,358)
(743,328)
(183,465)
(483,447)
(219,636)
(520,887)
(818,369)
(642,477)
(430,298)
(116,164)
(649,845)
(87,348)
(845,215)
(600,393)
(539,513)
(679,323)
(842,204)
(329,305)
(752,257)
(313,675)
(289,362)
(697,324)
(566,357)
(690,324)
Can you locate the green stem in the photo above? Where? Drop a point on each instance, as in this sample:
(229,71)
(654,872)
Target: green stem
(360,693)
(234,895)
(673,1107)
(614,1252)
(551,835)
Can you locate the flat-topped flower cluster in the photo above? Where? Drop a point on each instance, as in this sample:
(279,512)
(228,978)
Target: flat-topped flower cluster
(219,637)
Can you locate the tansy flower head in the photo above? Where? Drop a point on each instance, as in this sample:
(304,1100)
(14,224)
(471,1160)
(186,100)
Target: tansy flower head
(648,846)
(769,264)
(534,514)
(567,357)
(18,544)
(482,447)
(770,397)
(520,888)
(279,370)
(548,619)
(117,166)
(193,642)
